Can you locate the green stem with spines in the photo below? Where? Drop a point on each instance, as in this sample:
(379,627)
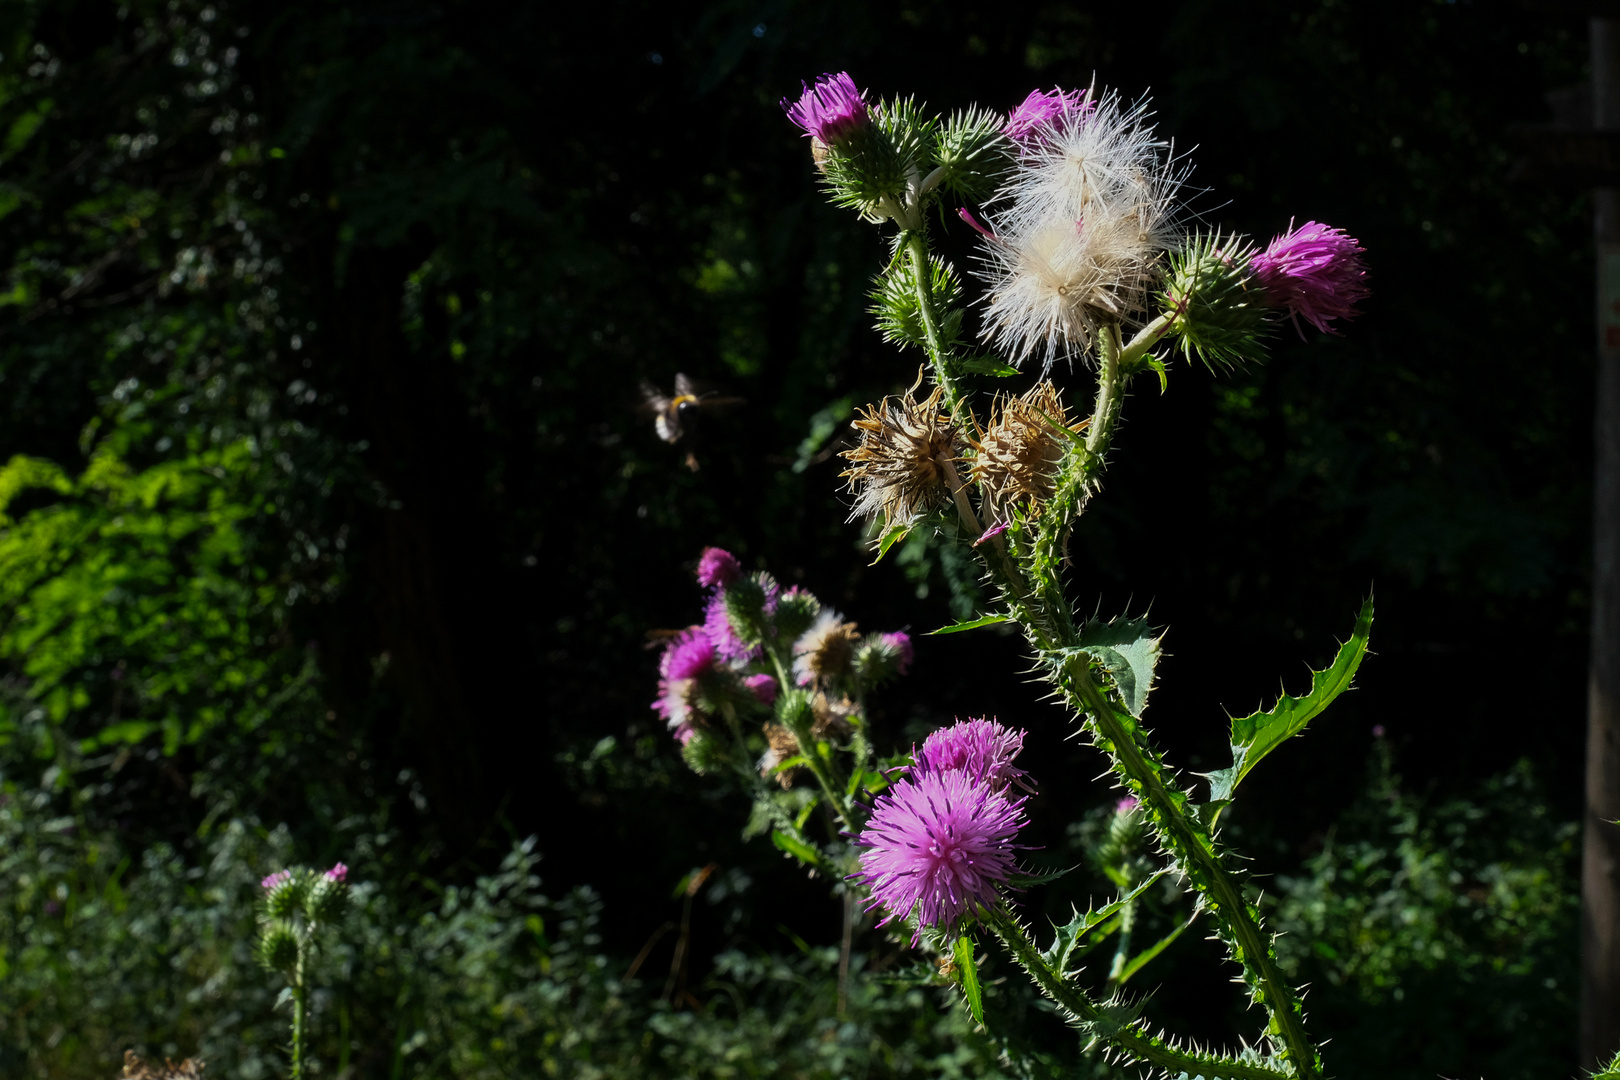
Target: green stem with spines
(922,282)
(300,1008)
(1129,1038)
(1193,847)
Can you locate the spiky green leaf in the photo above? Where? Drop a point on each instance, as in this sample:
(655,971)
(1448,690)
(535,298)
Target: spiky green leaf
(1072,933)
(985,365)
(1258,734)
(1128,650)
(797,848)
(974,624)
(968,973)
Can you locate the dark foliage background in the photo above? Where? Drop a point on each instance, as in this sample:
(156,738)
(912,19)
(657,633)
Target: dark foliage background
(350,303)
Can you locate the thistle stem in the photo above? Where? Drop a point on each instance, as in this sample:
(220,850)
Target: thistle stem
(1131,356)
(1192,847)
(300,1011)
(917,251)
(1128,1037)
(964,509)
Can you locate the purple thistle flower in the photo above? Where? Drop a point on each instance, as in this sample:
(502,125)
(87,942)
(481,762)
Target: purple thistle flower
(938,846)
(276,880)
(1315,272)
(688,655)
(1126,804)
(717,568)
(339,873)
(984,749)
(1042,108)
(831,111)
(717,625)
(904,653)
(762,687)
(685,734)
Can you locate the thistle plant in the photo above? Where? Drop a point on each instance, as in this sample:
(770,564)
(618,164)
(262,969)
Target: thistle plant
(1089,266)
(296,907)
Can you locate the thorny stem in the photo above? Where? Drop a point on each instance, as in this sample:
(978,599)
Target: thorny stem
(1145,339)
(1225,894)
(300,1010)
(807,749)
(1127,1037)
(917,250)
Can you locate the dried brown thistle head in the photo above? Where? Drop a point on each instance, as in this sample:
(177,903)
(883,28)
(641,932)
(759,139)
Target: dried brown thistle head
(898,469)
(826,650)
(137,1069)
(1019,453)
(782,746)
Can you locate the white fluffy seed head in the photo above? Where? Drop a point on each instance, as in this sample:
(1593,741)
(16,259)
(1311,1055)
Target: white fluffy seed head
(1080,225)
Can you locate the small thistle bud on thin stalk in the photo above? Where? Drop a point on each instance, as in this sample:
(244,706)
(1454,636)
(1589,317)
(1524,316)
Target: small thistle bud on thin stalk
(278,947)
(882,657)
(1018,456)
(898,469)
(796,610)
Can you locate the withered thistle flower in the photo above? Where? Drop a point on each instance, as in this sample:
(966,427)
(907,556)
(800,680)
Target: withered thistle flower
(899,467)
(1019,453)
(826,650)
(781,746)
(136,1068)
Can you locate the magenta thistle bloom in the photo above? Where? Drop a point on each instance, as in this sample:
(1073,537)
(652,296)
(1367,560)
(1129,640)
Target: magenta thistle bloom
(717,568)
(904,652)
(938,847)
(762,687)
(688,655)
(1126,805)
(984,749)
(717,625)
(1315,272)
(1044,107)
(276,880)
(831,111)
(339,873)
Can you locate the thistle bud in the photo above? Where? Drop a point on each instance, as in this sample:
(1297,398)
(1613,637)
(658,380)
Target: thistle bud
(795,612)
(1218,314)
(278,947)
(762,687)
(328,896)
(881,657)
(703,753)
(717,568)
(284,893)
(745,604)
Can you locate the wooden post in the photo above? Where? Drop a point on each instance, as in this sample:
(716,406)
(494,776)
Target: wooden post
(1600,855)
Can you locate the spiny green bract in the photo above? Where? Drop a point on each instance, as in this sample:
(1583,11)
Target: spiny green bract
(873,164)
(1217,317)
(973,153)
(894,302)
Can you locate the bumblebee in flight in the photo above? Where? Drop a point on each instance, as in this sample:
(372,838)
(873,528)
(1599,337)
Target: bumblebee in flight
(676,417)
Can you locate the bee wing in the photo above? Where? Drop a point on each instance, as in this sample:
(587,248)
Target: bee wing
(683,385)
(653,400)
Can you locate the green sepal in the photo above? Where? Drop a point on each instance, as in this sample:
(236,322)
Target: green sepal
(894,302)
(1128,650)
(1258,734)
(974,624)
(967,974)
(973,153)
(870,164)
(1219,317)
